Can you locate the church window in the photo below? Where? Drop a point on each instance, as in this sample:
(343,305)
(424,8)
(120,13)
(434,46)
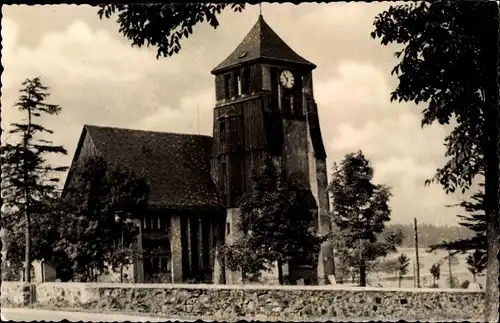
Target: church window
(156,263)
(227,86)
(162,223)
(154,222)
(165,265)
(228,228)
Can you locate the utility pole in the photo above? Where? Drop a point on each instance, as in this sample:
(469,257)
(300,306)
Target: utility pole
(414,276)
(449,269)
(416,253)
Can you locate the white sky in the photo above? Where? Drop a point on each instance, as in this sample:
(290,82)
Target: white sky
(98,78)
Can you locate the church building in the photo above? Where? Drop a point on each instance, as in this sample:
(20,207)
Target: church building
(264,105)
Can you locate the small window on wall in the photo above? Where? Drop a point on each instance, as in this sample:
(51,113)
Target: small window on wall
(228,228)
(227,86)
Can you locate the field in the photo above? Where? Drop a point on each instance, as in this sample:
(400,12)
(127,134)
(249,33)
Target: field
(380,279)
(459,270)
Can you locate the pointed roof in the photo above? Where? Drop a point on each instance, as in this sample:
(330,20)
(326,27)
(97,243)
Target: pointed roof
(261,42)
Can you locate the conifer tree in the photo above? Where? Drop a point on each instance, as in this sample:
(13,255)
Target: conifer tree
(29,182)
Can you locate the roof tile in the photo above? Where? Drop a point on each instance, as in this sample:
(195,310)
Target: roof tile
(261,42)
(176,166)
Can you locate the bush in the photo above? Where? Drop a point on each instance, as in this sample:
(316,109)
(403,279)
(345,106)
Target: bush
(465,284)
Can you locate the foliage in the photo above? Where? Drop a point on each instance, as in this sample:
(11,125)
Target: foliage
(359,212)
(29,183)
(98,207)
(476,263)
(163,25)
(435,271)
(450,62)
(275,225)
(342,270)
(403,263)
(465,284)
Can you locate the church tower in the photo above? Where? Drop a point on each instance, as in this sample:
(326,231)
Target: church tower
(265,105)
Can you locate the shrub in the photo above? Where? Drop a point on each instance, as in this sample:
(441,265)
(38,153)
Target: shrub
(465,284)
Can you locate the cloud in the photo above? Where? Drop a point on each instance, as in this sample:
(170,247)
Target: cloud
(356,114)
(193,111)
(98,78)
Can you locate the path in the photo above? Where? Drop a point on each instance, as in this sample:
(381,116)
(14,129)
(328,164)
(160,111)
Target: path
(29,314)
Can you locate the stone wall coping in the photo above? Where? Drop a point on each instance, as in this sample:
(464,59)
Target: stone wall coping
(254,287)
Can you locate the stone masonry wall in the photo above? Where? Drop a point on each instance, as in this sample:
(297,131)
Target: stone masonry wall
(233,302)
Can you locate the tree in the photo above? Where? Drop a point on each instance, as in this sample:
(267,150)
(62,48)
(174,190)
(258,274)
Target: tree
(360,210)
(98,209)
(29,183)
(476,263)
(276,225)
(163,25)
(450,63)
(435,271)
(403,263)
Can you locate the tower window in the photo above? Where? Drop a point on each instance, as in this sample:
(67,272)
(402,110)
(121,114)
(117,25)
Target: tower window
(223,182)
(239,85)
(227,86)
(228,228)
(222,130)
(246,81)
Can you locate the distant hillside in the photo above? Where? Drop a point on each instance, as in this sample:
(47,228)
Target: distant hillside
(429,234)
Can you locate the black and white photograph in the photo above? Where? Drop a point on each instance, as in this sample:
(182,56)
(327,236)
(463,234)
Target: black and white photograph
(232,161)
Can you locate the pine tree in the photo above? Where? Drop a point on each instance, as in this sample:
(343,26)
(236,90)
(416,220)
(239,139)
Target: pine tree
(29,183)
(360,210)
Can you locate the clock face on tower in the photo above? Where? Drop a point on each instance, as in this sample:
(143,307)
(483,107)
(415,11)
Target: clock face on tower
(287,79)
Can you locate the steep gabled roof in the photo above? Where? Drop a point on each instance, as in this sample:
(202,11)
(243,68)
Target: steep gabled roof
(261,43)
(176,166)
